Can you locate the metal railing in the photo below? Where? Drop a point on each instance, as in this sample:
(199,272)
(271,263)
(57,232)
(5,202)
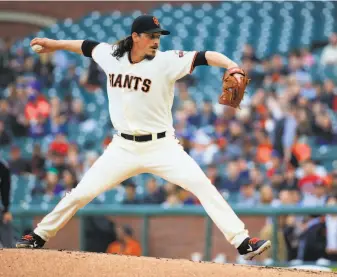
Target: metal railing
(148,211)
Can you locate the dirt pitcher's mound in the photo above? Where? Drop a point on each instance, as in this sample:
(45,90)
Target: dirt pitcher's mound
(26,263)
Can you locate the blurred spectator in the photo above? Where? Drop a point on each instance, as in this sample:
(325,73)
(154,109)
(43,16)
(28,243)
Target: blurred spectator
(38,161)
(36,105)
(172,200)
(258,179)
(329,94)
(155,194)
(214,176)
(130,194)
(44,68)
(7,74)
(77,114)
(125,244)
(234,177)
(203,149)
(248,196)
(93,77)
(290,181)
(331,230)
(17,164)
(310,177)
(50,186)
(308,59)
(304,120)
(312,239)
(284,136)
(322,128)
(207,115)
(248,53)
(318,197)
(68,181)
(60,144)
(70,79)
(57,124)
(276,172)
(5,138)
(329,54)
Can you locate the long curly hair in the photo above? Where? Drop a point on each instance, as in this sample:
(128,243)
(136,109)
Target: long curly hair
(122,46)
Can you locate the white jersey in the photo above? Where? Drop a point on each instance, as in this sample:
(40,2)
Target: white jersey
(141,94)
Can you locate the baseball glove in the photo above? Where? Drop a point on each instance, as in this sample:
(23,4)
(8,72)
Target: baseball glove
(233,88)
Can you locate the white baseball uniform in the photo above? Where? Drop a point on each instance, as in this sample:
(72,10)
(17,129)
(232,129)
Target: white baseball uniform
(140,101)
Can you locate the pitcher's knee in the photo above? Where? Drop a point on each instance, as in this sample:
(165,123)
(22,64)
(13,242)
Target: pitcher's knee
(78,198)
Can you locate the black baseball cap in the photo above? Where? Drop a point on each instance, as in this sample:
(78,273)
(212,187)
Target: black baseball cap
(147,24)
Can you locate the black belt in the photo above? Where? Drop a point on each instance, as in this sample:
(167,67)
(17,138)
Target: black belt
(142,138)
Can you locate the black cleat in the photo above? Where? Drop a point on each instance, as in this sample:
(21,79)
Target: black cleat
(252,247)
(31,240)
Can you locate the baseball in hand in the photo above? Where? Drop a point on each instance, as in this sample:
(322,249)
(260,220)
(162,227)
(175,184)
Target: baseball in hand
(37,48)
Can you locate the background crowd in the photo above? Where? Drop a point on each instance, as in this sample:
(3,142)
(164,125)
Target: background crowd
(260,154)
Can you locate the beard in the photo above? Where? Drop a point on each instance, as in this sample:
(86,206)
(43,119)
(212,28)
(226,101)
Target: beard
(149,57)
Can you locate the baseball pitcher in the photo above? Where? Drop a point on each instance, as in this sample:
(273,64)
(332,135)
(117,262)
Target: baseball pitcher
(140,85)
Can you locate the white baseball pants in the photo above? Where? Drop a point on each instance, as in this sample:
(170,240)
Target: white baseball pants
(163,157)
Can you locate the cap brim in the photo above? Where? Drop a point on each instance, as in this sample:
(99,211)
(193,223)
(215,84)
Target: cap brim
(158,30)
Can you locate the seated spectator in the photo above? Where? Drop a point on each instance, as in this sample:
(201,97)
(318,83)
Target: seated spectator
(207,115)
(276,173)
(248,196)
(60,145)
(172,200)
(328,96)
(68,181)
(70,79)
(203,150)
(57,124)
(188,198)
(264,147)
(125,244)
(214,176)
(17,164)
(155,194)
(193,115)
(38,128)
(93,77)
(257,177)
(290,181)
(37,161)
(50,186)
(5,138)
(77,114)
(322,129)
(37,105)
(329,54)
(234,178)
(309,178)
(44,68)
(130,194)
(318,197)
(226,152)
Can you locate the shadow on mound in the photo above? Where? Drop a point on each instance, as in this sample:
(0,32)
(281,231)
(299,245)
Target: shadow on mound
(23,262)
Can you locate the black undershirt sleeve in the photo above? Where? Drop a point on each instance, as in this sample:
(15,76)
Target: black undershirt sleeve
(88,46)
(200,59)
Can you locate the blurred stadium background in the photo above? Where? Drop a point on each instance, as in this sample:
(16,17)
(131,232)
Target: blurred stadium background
(279,149)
